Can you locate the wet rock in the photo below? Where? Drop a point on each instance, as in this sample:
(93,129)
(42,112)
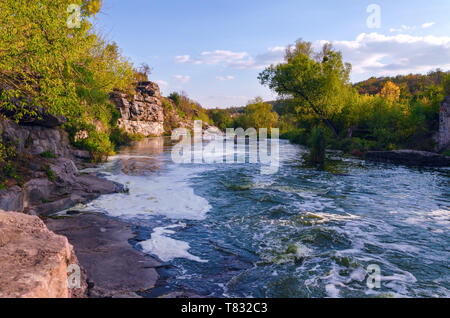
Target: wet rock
(409,158)
(113,266)
(35,262)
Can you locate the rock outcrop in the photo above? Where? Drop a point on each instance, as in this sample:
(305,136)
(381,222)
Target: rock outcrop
(49,184)
(444,125)
(142,113)
(35,262)
(409,158)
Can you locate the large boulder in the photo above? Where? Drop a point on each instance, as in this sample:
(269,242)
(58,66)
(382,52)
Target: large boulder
(35,262)
(409,158)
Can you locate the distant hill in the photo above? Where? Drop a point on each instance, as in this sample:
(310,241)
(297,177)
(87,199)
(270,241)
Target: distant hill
(409,84)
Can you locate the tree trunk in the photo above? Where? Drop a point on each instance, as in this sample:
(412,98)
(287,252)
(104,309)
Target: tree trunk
(331,126)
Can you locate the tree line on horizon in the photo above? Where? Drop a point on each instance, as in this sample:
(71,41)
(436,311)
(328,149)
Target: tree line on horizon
(47,65)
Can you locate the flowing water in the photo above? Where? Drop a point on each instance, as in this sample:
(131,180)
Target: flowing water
(226,230)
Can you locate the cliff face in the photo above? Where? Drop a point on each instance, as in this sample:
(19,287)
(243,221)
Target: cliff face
(444,126)
(35,262)
(142,113)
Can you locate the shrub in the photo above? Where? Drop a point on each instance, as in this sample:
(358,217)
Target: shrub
(49,172)
(48,154)
(446,84)
(119,137)
(318,146)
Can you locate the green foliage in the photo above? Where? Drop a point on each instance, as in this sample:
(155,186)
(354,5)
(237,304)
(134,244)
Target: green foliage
(410,85)
(48,154)
(119,137)
(319,79)
(65,71)
(98,143)
(257,114)
(446,85)
(221,118)
(49,172)
(8,158)
(317,143)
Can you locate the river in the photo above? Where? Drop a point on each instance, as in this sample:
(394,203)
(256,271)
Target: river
(226,230)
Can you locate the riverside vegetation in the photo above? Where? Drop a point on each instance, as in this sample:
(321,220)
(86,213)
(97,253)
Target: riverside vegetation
(48,68)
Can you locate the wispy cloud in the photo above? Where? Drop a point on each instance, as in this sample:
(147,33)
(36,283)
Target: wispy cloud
(162,84)
(380,55)
(237,60)
(428,25)
(181,79)
(225,78)
(182,59)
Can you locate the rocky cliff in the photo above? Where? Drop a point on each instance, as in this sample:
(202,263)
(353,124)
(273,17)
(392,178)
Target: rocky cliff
(35,262)
(48,184)
(143,112)
(444,125)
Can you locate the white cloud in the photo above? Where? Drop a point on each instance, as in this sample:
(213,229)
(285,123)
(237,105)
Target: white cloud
(225,78)
(380,55)
(403,28)
(237,60)
(162,84)
(182,59)
(428,25)
(182,79)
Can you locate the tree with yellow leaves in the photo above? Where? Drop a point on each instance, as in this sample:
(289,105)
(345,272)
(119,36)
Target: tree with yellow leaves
(391,92)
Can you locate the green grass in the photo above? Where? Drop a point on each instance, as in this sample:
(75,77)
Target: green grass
(48,154)
(50,173)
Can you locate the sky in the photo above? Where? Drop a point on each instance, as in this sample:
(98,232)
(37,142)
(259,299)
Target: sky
(214,49)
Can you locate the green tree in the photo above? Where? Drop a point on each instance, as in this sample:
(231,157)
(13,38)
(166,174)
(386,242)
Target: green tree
(446,85)
(221,118)
(258,114)
(320,79)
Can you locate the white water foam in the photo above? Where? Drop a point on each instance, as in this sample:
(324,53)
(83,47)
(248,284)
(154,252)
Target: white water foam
(168,194)
(166,248)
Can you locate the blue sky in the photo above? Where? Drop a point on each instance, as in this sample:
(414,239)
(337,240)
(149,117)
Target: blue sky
(213,50)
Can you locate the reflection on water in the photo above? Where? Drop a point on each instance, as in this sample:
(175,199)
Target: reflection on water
(143,157)
(227,231)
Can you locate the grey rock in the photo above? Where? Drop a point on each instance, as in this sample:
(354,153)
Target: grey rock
(12,199)
(114,268)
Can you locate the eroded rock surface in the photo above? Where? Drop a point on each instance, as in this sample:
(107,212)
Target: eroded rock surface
(142,113)
(113,266)
(35,262)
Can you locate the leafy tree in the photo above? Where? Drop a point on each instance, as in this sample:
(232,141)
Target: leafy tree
(391,92)
(258,115)
(319,79)
(221,118)
(446,85)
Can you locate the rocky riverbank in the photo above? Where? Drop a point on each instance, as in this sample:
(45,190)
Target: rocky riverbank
(114,268)
(409,158)
(35,262)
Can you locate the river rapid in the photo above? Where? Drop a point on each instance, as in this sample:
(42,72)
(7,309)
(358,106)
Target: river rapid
(226,230)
